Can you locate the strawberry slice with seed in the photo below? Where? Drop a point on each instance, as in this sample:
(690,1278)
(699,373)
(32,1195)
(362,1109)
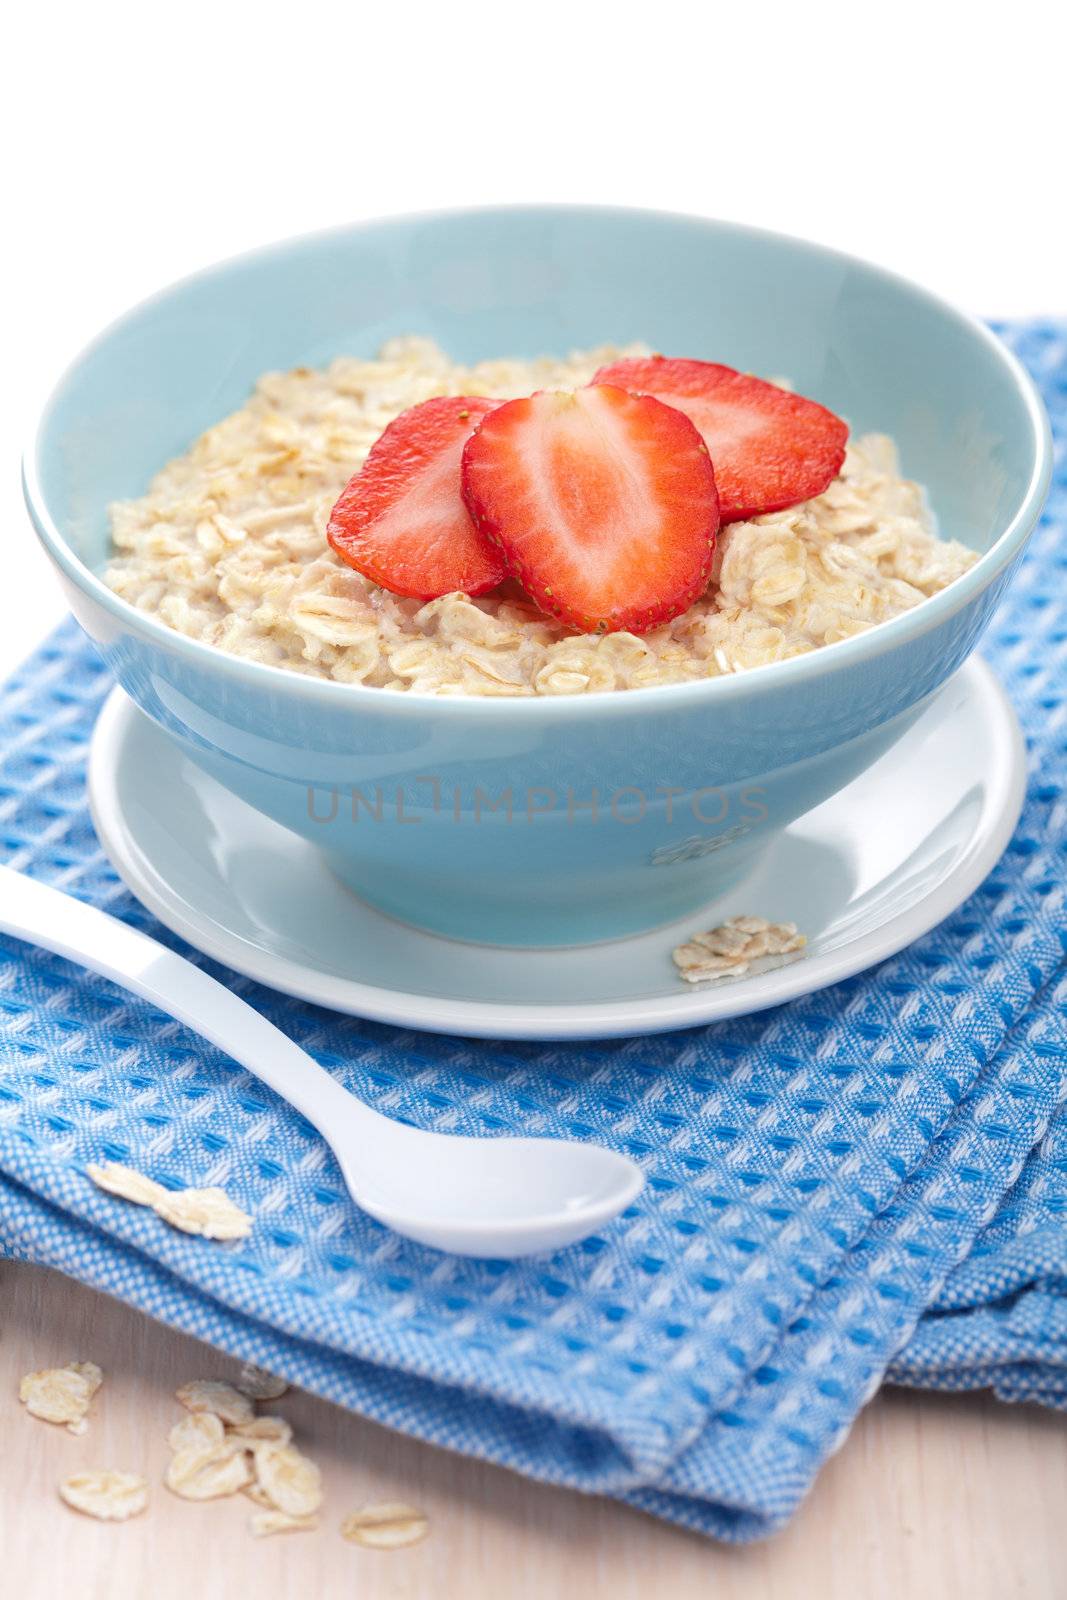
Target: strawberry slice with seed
(770,449)
(402,520)
(602,502)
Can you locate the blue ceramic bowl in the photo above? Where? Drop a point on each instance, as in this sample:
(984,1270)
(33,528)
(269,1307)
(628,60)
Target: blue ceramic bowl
(546,821)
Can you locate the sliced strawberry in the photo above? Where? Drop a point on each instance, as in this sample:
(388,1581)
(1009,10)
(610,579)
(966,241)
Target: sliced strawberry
(603,502)
(770,449)
(402,520)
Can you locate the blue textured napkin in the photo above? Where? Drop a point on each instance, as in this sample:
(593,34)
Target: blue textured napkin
(869,1180)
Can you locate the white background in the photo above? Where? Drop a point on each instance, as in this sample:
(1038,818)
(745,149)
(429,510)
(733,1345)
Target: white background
(149,139)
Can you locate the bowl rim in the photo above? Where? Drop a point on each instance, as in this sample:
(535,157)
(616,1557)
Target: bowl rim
(795,670)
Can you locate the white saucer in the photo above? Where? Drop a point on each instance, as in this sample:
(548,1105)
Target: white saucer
(862,876)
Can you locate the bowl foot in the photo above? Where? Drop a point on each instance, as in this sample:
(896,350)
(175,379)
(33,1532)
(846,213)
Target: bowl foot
(539,916)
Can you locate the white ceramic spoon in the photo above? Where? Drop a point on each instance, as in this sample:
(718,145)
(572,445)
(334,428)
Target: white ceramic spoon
(485,1197)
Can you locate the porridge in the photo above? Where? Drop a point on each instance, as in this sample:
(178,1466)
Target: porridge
(229,547)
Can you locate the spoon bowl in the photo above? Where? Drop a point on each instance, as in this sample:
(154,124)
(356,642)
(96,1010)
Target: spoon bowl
(503,1196)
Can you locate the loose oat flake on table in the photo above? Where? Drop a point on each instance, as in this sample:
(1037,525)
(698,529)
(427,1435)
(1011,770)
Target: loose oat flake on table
(62,1394)
(199,1430)
(209,1212)
(729,950)
(267,1522)
(105,1494)
(292,1482)
(213,1395)
(259,1384)
(390,1525)
(274,1429)
(206,1472)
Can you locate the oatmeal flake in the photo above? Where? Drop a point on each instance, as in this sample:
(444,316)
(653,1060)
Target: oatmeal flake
(105,1494)
(62,1394)
(387,1526)
(729,950)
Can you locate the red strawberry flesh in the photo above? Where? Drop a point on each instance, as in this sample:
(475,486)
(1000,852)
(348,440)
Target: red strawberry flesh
(770,449)
(602,502)
(402,521)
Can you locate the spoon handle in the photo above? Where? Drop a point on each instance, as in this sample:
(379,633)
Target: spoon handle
(90,937)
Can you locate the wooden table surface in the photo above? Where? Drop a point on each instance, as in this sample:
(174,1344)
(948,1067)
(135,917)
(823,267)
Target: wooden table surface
(935,1497)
